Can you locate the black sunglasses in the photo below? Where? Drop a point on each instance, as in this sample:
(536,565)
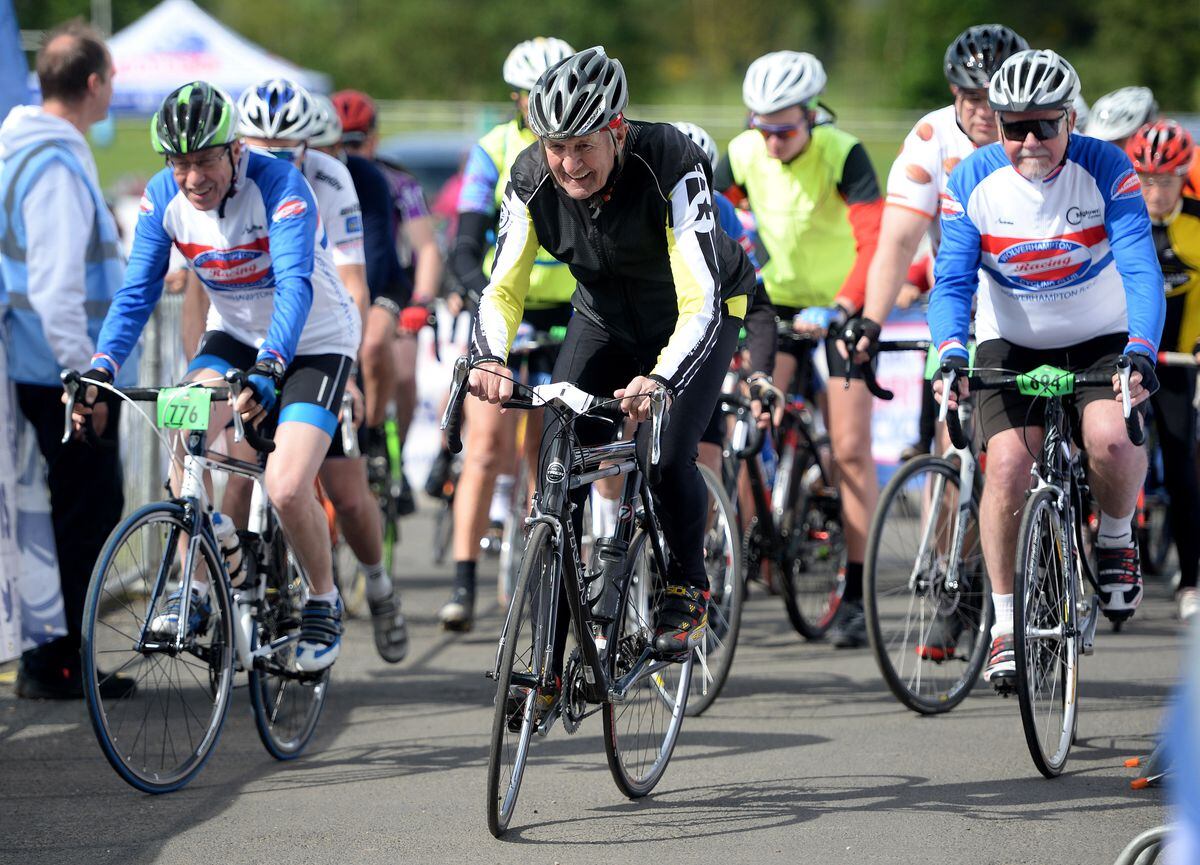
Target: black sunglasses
(1043,130)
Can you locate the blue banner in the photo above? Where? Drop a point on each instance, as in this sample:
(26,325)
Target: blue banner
(14,73)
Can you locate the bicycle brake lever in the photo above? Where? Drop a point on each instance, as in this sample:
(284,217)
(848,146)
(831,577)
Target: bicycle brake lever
(658,409)
(1124,369)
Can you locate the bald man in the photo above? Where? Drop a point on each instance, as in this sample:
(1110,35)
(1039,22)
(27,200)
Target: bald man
(60,265)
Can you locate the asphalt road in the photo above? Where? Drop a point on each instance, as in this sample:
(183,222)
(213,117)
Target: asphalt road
(806,757)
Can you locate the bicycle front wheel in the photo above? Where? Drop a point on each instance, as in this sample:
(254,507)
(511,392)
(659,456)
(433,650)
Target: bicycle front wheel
(1044,625)
(287,704)
(723,562)
(520,676)
(157,710)
(930,643)
(641,729)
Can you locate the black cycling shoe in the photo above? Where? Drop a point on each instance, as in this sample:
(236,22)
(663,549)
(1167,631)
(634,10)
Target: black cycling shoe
(439,484)
(940,642)
(406,504)
(458,613)
(391,630)
(543,703)
(53,672)
(681,620)
(849,628)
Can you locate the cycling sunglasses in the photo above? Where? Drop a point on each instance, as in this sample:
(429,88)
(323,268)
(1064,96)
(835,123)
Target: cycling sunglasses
(1043,130)
(778,130)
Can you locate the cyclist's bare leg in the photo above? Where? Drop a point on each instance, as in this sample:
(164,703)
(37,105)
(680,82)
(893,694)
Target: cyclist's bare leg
(491,441)
(291,470)
(1116,467)
(1009,459)
(345,483)
(404,351)
(378,364)
(857,478)
(785,372)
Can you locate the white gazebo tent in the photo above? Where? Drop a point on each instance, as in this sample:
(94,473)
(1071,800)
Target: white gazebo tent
(177,42)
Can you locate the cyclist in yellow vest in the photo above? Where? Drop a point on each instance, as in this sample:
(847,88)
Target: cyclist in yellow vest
(491,437)
(817,205)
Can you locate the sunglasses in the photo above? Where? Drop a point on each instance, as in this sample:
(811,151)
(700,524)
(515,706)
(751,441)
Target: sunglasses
(203,163)
(1043,130)
(776,130)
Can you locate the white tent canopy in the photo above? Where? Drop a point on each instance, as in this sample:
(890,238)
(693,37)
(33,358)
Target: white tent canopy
(177,42)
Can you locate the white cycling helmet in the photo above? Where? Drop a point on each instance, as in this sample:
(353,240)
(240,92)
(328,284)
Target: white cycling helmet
(701,139)
(578,95)
(277,108)
(1121,113)
(782,79)
(1082,112)
(526,62)
(327,131)
(1033,80)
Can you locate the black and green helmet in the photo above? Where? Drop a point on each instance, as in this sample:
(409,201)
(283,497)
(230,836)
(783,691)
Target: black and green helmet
(194,117)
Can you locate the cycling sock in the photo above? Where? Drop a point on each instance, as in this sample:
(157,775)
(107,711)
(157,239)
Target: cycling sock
(200,588)
(604,516)
(379,582)
(854,579)
(502,498)
(1004,614)
(325,597)
(1115,532)
(464,576)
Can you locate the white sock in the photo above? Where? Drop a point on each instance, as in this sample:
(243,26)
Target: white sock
(1003,605)
(379,582)
(1115,532)
(604,515)
(200,588)
(326,597)
(502,498)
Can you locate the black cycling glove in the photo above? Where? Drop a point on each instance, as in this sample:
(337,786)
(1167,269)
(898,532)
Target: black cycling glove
(1145,365)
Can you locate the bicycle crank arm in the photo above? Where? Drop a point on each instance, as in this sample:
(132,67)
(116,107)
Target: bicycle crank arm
(620,689)
(1088,631)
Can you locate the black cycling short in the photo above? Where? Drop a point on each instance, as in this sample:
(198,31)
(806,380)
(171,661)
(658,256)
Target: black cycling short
(312,387)
(541,361)
(1000,410)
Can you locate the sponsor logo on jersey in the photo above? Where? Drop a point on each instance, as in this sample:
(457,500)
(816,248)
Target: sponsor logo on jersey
(145,206)
(239,267)
(951,209)
(1126,186)
(290,208)
(332,181)
(354,224)
(1044,264)
(1076,215)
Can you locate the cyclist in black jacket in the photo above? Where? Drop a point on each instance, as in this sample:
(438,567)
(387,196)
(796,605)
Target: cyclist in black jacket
(662,289)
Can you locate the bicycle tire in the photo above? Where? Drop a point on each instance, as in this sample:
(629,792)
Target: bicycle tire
(637,758)
(114,617)
(286,706)
(814,548)
(530,608)
(903,604)
(1045,603)
(726,582)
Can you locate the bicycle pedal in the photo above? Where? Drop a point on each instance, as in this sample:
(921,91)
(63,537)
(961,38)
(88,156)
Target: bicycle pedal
(1005,687)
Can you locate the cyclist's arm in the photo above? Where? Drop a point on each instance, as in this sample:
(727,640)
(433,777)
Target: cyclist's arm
(59,219)
(354,278)
(692,249)
(143,286)
(502,304)
(1132,245)
(476,216)
(423,240)
(292,236)
(900,234)
(955,278)
(859,188)
(383,271)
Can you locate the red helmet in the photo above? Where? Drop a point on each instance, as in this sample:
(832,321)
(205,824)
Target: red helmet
(356,110)
(1162,147)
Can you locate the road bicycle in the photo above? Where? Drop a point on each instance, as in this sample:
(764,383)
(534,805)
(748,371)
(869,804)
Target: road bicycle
(159,730)
(614,669)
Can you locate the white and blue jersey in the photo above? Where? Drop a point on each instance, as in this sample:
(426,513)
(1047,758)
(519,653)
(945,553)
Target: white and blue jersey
(1061,260)
(263,258)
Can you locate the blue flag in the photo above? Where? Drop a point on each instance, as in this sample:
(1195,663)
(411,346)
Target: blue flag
(14,74)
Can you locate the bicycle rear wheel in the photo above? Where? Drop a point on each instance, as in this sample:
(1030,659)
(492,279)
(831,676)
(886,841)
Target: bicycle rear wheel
(519,676)
(814,546)
(287,704)
(1044,624)
(640,731)
(158,735)
(723,561)
(930,643)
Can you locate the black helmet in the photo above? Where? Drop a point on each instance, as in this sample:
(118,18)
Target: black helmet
(194,117)
(973,58)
